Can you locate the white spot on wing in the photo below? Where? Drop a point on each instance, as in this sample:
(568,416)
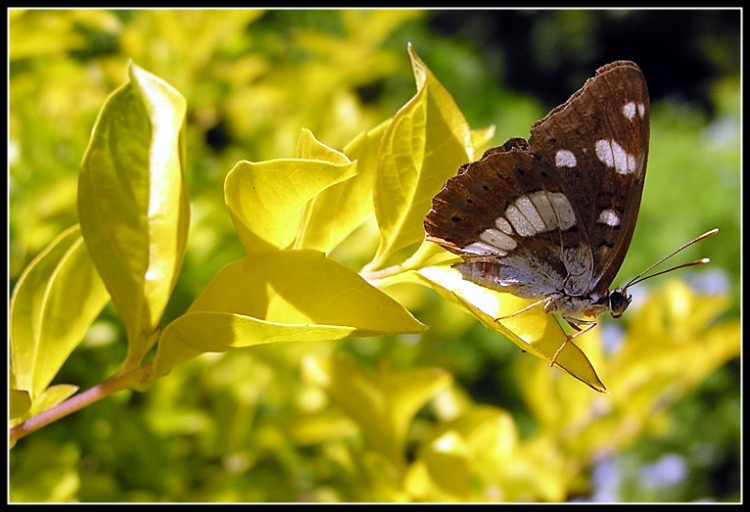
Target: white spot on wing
(545,209)
(566,217)
(629,110)
(641,110)
(565,158)
(538,212)
(555,210)
(609,217)
(611,154)
(483,249)
(498,239)
(522,226)
(503,225)
(527,208)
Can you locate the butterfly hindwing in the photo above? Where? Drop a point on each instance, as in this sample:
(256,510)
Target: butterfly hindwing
(508,218)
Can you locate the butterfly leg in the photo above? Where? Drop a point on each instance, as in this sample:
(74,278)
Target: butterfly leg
(575,323)
(522,310)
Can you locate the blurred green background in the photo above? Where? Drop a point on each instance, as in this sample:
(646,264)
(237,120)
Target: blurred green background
(222,427)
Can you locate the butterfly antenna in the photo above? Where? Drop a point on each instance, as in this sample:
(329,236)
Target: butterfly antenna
(637,279)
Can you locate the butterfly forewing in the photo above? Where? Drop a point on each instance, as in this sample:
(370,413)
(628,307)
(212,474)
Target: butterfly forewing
(553,217)
(598,142)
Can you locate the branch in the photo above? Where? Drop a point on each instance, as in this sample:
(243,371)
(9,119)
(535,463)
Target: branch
(78,402)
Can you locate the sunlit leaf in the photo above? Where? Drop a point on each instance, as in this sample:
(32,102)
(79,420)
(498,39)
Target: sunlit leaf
(199,332)
(534,331)
(310,148)
(55,301)
(425,143)
(19,403)
(132,201)
(447,460)
(266,199)
(281,296)
(336,211)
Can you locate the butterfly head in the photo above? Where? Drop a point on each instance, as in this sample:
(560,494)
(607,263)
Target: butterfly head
(619,300)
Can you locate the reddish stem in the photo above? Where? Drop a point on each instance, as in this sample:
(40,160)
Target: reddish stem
(78,402)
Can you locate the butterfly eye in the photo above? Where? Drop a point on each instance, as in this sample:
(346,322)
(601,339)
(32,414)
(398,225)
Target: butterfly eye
(618,302)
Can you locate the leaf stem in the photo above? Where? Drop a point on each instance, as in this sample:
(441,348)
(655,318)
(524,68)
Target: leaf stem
(108,387)
(373,277)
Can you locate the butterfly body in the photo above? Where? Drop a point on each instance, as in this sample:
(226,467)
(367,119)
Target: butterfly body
(551,218)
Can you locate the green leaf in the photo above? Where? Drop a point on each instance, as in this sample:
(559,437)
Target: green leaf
(335,212)
(55,301)
(266,199)
(534,331)
(281,296)
(133,204)
(425,144)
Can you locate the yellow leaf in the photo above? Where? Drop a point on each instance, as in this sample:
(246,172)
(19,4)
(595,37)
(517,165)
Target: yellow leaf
(381,403)
(534,331)
(278,297)
(266,199)
(335,212)
(310,148)
(424,144)
(54,303)
(133,204)
(447,460)
(19,405)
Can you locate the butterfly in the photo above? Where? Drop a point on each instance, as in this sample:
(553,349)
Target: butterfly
(551,219)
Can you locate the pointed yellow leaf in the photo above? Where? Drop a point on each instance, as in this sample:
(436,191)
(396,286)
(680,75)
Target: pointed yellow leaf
(199,332)
(336,211)
(424,144)
(281,296)
(55,301)
(133,204)
(266,199)
(18,406)
(310,148)
(534,331)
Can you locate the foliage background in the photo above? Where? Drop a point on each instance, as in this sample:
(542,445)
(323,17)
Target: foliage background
(230,426)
